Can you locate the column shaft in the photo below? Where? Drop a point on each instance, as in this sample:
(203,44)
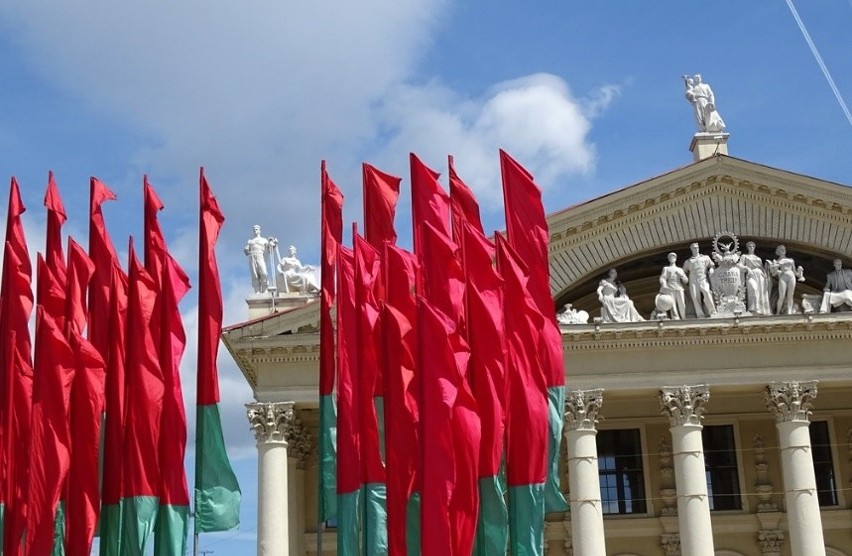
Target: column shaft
(272,500)
(693,506)
(587,530)
(800,493)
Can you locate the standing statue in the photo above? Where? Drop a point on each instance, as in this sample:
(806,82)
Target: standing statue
(255,250)
(784,269)
(615,305)
(838,288)
(707,118)
(698,268)
(296,277)
(757,292)
(671,298)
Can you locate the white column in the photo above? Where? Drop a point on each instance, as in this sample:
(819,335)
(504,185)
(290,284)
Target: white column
(791,404)
(584,496)
(301,446)
(272,424)
(684,406)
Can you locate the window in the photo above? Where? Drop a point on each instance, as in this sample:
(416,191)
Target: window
(720,464)
(620,472)
(823,464)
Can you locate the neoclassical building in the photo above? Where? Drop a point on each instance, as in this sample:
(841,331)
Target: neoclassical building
(729,434)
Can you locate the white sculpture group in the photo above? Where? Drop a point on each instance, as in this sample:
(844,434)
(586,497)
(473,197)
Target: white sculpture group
(291,276)
(728,283)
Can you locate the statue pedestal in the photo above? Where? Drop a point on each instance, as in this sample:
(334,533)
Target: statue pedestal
(261,305)
(706,144)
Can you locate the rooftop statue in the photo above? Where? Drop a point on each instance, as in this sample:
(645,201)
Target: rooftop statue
(698,268)
(256,249)
(838,289)
(707,118)
(757,292)
(671,298)
(783,268)
(294,277)
(570,315)
(615,305)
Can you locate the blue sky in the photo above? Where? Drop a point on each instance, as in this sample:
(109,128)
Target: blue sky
(587,95)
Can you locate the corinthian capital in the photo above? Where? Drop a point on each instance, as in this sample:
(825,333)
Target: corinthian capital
(684,405)
(271,422)
(581,409)
(790,401)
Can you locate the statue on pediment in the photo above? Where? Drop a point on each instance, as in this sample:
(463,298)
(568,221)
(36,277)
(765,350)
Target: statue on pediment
(728,279)
(256,250)
(615,305)
(570,315)
(707,118)
(294,277)
(698,268)
(757,282)
(837,293)
(671,300)
(785,274)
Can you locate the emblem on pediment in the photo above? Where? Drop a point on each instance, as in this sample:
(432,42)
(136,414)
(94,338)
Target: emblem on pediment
(727,281)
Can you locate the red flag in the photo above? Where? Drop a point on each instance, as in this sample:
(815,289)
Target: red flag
(429,202)
(209,297)
(87,405)
(51,443)
(463,204)
(103,255)
(485,335)
(402,419)
(367,276)
(443,280)
(527,425)
(526,229)
(348,428)
(450,438)
(145,389)
(55,219)
(332,235)
(17,305)
(381,192)
(155,242)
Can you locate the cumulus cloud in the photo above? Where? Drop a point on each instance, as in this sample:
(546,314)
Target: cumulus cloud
(535,118)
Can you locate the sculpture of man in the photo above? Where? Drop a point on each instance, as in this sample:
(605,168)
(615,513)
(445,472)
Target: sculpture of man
(297,278)
(698,268)
(255,250)
(703,101)
(838,288)
(672,280)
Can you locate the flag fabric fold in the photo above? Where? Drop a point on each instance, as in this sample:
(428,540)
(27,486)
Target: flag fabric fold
(332,236)
(381,192)
(217,493)
(464,207)
(429,202)
(527,233)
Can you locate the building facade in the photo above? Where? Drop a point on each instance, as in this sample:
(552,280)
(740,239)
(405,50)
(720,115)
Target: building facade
(727,435)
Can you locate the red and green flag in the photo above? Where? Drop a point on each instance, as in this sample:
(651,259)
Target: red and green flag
(527,233)
(217,493)
(332,236)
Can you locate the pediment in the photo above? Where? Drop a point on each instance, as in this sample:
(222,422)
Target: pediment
(303,319)
(634,228)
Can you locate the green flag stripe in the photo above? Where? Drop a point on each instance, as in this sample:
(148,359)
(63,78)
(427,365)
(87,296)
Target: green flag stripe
(375,519)
(217,493)
(139,513)
(526,519)
(348,513)
(110,530)
(493,524)
(554,500)
(59,530)
(170,534)
(412,525)
(328,458)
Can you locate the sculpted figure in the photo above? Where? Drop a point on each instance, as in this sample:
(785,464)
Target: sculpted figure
(671,297)
(703,101)
(255,250)
(296,276)
(615,305)
(698,268)
(757,291)
(838,288)
(784,268)
(570,315)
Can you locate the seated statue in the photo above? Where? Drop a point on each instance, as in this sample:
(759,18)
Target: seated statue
(570,315)
(615,305)
(837,293)
(294,277)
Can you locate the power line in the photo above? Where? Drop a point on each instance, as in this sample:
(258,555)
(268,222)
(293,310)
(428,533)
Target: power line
(819,60)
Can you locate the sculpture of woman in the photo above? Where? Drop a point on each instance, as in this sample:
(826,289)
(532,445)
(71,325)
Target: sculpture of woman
(615,305)
(785,269)
(296,277)
(757,292)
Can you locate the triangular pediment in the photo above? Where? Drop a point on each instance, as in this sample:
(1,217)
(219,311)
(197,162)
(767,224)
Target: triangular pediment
(635,227)
(303,319)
